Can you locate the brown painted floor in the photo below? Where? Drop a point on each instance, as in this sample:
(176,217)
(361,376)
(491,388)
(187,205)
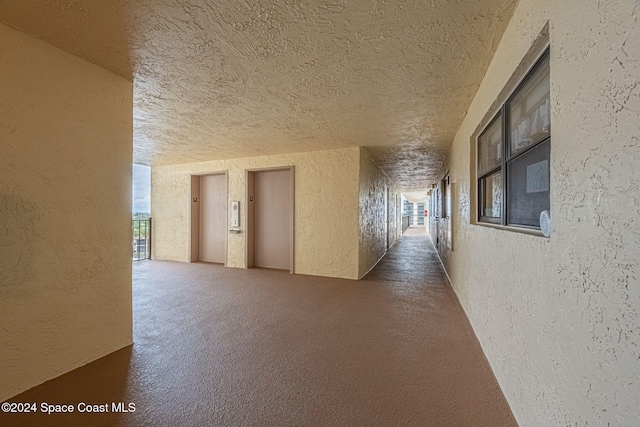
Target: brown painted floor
(217,346)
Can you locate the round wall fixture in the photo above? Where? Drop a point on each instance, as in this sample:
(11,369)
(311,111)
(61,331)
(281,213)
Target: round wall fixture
(545,223)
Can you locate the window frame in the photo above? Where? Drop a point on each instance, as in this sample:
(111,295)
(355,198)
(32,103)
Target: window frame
(446,197)
(503,115)
(481,178)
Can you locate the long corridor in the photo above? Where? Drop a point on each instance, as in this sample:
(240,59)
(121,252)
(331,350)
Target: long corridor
(229,347)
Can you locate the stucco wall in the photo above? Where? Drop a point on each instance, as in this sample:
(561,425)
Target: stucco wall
(372,236)
(395,220)
(326,208)
(558,318)
(65,212)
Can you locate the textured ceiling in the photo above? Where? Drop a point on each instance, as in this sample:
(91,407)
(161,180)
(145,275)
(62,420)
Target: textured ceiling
(234,78)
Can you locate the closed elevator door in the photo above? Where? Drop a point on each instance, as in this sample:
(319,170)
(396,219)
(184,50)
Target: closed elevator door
(272,219)
(213,218)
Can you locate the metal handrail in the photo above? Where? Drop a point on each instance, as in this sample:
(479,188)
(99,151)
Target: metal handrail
(141,239)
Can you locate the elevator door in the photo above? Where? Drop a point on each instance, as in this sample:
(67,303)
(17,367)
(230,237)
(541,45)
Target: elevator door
(272,219)
(213,218)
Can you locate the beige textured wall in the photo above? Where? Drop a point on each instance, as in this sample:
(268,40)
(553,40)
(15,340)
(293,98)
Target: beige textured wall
(65,212)
(372,214)
(326,209)
(559,318)
(395,221)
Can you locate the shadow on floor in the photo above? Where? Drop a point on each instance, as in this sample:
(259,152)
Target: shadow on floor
(221,346)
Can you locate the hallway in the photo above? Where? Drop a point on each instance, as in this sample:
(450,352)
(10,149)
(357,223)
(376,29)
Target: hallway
(231,347)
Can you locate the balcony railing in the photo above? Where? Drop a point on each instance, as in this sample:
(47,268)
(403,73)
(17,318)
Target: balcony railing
(415,212)
(141,239)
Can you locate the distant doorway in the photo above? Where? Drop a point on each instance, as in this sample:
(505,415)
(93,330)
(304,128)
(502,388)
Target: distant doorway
(209,226)
(270,195)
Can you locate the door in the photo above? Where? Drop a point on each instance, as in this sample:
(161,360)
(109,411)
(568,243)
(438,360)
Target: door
(270,219)
(213,218)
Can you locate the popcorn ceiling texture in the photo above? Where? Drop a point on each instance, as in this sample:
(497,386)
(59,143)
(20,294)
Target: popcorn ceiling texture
(232,79)
(326,209)
(65,220)
(559,318)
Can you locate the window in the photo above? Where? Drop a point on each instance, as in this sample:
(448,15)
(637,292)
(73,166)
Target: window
(446,198)
(513,155)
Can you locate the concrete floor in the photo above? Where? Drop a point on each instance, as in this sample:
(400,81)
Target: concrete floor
(228,347)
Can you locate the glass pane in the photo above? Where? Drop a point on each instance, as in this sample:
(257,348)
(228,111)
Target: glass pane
(529,111)
(446,205)
(491,195)
(528,186)
(490,147)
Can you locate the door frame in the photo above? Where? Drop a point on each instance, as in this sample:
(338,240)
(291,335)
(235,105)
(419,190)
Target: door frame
(436,212)
(249,230)
(194,226)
